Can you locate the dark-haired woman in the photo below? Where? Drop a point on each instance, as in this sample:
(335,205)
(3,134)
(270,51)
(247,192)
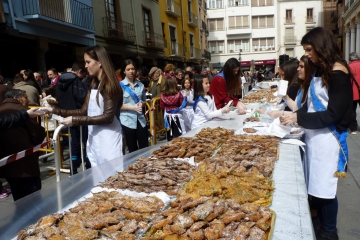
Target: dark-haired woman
(226,86)
(101,109)
(326,116)
(29,78)
(132,118)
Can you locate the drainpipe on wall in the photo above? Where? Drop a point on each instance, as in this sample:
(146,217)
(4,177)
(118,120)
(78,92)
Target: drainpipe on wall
(12,13)
(133,16)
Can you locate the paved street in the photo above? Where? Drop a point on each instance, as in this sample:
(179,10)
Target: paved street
(348,191)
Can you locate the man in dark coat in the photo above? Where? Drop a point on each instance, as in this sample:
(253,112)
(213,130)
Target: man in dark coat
(70,94)
(23,175)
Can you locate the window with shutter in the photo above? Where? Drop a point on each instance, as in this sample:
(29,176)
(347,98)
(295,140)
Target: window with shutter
(255,22)
(263,44)
(172,33)
(245,21)
(231,22)
(288,16)
(212,24)
(270,21)
(221,46)
(238,22)
(270,44)
(290,52)
(231,46)
(269,2)
(220,24)
(262,21)
(255,43)
(254,3)
(289,35)
(245,45)
(262,3)
(237,45)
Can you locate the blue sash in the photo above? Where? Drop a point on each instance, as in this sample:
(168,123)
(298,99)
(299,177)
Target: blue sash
(199,98)
(221,74)
(131,92)
(299,97)
(340,136)
(174,111)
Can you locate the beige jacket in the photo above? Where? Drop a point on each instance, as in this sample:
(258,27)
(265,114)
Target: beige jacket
(31,92)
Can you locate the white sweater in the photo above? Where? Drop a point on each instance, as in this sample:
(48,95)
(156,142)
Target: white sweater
(204,112)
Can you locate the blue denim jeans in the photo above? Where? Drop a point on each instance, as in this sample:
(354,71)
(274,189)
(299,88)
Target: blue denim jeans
(327,212)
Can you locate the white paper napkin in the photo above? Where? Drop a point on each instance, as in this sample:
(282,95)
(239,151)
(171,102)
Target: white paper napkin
(277,129)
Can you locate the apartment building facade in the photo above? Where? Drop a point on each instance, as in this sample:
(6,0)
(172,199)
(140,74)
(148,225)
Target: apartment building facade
(130,30)
(243,29)
(296,18)
(351,21)
(184,32)
(42,34)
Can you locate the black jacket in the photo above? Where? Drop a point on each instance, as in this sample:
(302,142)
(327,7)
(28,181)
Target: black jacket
(70,91)
(14,120)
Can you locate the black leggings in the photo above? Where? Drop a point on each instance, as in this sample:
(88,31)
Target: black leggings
(23,186)
(136,138)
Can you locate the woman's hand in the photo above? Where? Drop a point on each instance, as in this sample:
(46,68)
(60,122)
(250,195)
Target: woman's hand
(241,107)
(67,121)
(137,108)
(225,109)
(33,112)
(288,119)
(47,110)
(275,114)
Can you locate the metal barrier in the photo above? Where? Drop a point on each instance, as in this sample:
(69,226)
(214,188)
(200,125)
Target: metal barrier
(156,119)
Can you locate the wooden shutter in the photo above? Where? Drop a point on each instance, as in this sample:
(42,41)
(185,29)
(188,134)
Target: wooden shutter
(212,23)
(231,22)
(262,21)
(239,22)
(220,24)
(262,42)
(255,22)
(254,3)
(270,21)
(245,21)
(262,3)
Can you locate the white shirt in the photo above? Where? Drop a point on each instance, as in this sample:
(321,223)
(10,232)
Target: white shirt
(204,112)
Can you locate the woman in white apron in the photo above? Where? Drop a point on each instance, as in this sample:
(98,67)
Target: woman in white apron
(188,111)
(326,116)
(100,110)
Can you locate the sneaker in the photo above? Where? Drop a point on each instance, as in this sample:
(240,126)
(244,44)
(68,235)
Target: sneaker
(4,195)
(353,133)
(325,235)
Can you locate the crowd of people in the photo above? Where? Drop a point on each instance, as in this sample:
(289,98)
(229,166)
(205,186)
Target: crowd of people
(322,97)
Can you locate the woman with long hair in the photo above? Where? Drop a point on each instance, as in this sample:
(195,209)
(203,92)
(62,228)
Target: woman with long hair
(132,118)
(325,115)
(226,86)
(101,109)
(29,78)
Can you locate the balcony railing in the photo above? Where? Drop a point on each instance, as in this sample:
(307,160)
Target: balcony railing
(173,8)
(289,39)
(193,20)
(68,11)
(217,50)
(264,26)
(289,20)
(195,52)
(202,26)
(207,55)
(153,40)
(239,27)
(176,49)
(119,30)
(268,3)
(310,19)
(263,48)
(233,3)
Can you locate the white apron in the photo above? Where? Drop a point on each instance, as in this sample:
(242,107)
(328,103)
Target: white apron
(105,141)
(172,117)
(322,152)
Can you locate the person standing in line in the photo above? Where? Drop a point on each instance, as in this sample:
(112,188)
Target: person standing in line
(325,116)
(71,93)
(354,66)
(132,118)
(169,71)
(179,74)
(31,92)
(100,110)
(226,86)
(188,92)
(29,78)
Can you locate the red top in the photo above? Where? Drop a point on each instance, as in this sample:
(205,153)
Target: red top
(171,102)
(355,70)
(55,81)
(219,91)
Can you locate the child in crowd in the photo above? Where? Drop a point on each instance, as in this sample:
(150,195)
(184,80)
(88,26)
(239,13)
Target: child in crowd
(172,101)
(188,92)
(204,105)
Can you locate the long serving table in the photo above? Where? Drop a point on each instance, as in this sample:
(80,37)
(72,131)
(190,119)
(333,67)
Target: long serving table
(293,220)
